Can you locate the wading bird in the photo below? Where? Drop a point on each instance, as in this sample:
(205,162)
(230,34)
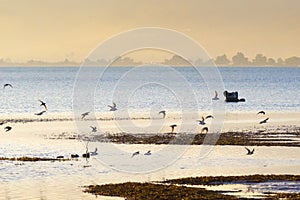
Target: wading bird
(173,127)
(216,96)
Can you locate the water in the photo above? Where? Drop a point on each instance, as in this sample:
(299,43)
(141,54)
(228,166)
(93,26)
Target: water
(136,89)
(268,88)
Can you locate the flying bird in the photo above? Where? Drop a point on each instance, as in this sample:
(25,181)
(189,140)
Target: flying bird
(83,115)
(113,107)
(148,153)
(204,129)
(216,96)
(261,112)
(264,121)
(94,129)
(7,84)
(202,122)
(249,152)
(209,116)
(173,127)
(135,154)
(40,113)
(43,104)
(163,112)
(93,153)
(7,128)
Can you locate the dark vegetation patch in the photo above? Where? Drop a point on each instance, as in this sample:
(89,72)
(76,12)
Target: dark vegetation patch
(33,159)
(132,190)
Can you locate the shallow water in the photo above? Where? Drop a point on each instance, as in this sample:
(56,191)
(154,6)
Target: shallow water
(114,163)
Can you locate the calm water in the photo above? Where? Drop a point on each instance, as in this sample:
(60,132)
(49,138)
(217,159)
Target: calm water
(268,88)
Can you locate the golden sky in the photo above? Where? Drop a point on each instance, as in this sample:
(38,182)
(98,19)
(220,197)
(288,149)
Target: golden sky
(52,30)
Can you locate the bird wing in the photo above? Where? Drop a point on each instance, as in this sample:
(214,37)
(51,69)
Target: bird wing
(216,94)
(114,105)
(204,129)
(248,150)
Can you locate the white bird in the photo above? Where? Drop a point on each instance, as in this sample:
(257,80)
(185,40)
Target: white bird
(148,153)
(113,107)
(216,96)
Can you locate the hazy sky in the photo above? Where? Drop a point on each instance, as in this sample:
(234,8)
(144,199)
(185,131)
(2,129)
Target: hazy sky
(53,30)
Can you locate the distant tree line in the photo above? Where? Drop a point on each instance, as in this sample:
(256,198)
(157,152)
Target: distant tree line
(237,60)
(260,60)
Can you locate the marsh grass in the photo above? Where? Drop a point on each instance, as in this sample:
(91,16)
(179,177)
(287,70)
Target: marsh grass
(33,159)
(179,188)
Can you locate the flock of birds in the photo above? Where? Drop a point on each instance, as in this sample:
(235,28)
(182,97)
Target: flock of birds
(8,128)
(113,107)
(205,128)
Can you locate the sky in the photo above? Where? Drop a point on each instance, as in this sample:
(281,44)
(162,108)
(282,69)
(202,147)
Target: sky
(52,30)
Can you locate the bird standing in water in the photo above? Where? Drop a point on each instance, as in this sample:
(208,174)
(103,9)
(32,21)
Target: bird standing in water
(173,127)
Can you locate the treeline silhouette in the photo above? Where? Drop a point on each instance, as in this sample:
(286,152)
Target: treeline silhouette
(237,60)
(260,60)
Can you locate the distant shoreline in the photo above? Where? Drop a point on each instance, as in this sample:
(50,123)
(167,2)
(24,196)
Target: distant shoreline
(158,65)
